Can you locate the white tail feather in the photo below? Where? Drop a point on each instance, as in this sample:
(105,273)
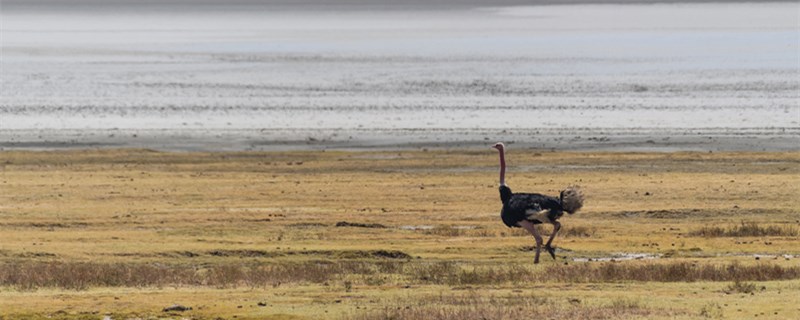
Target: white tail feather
(542,215)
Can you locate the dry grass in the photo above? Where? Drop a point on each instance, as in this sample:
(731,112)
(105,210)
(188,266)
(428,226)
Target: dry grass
(577,232)
(454,275)
(711,310)
(740,287)
(81,276)
(747,229)
(82,228)
(671,272)
(491,307)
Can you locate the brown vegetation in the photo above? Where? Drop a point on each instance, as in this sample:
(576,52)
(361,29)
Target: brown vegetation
(515,306)
(135,231)
(359,225)
(452,274)
(747,229)
(740,287)
(80,275)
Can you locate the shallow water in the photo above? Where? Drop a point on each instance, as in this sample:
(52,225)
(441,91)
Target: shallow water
(623,256)
(238,79)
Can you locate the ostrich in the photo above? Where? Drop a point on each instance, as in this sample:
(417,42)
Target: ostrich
(527,209)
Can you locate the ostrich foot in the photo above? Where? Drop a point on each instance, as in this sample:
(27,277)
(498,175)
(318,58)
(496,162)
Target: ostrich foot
(551,251)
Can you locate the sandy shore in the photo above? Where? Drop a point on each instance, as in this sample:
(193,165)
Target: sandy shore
(298,139)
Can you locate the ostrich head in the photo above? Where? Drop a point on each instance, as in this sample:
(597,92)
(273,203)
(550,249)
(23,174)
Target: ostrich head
(499,146)
(571,199)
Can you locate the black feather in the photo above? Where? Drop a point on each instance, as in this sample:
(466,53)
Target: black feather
(518,204)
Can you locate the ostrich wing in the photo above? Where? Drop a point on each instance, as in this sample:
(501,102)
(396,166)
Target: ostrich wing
(537,207)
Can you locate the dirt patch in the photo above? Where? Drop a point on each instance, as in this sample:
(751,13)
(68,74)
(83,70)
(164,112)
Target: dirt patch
(691,213)
(136,254)
(242,253)
(356,254)
(331,254)
(45,225)
(37,255)
(231,220)
(359,225)
(187,254)
(664,214)
(176,307)
(390,254)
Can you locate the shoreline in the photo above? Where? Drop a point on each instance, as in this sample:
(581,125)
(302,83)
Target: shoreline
(568,139)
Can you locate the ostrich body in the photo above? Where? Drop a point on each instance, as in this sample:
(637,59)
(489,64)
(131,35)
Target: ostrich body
(528,209)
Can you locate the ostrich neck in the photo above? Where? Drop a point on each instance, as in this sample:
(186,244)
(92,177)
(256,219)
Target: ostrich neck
(502,167)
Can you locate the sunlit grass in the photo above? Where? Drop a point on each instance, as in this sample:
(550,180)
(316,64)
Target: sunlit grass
(130,232)
(747,229)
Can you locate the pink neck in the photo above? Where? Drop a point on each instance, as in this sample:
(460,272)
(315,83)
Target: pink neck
(502,167)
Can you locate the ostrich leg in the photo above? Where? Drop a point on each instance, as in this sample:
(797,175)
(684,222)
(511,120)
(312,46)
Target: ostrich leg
(527,225)
(550,249)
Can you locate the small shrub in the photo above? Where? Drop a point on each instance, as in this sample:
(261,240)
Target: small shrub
(577,232)
(740,287)
(625,304)
(711,310)
(446,231)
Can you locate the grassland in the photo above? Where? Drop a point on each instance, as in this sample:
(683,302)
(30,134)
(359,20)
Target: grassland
(401,235)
